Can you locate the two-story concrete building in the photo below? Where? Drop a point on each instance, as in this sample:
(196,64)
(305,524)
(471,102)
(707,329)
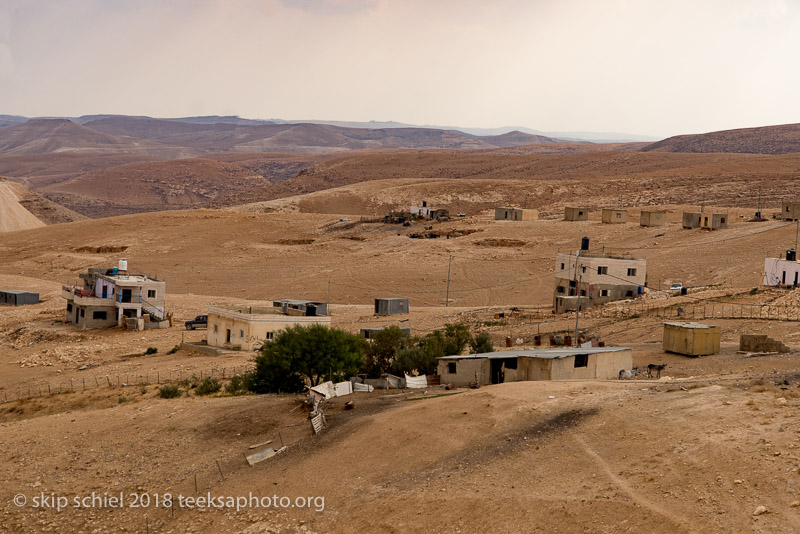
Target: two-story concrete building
(597,279)
(108,297)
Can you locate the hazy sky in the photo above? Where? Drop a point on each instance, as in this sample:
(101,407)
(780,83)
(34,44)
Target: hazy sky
(658,67)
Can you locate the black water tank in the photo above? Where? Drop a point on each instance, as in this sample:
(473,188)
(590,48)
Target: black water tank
(585,243)
(791,255)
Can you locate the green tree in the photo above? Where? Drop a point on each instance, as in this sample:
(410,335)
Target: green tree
(482,343)
(383,348)
(306,354)
(457,337)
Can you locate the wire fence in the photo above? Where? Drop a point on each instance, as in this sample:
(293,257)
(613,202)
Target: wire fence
(84,383)
(700,311)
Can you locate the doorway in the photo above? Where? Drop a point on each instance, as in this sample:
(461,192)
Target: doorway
(227,336)
(497,370)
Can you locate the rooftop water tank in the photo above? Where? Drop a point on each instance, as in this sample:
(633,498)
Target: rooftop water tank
(791,255)
(123,265)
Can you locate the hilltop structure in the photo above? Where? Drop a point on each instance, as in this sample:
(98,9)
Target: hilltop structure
(247,327)
(782,271)
(515,214)
(594,279)
(109,297)
(614,216)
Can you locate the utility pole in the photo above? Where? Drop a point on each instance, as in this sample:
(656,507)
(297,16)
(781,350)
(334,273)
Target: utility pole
(447,297)
(797,230)
(328,304)
(578,311)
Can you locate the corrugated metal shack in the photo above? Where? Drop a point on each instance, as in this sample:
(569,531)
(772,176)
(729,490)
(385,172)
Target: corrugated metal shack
(391,306)
(691,339)
(15,297)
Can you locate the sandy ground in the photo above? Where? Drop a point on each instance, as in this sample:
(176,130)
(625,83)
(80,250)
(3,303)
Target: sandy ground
(12,215)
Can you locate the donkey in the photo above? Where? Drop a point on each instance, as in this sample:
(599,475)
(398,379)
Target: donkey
(627,375)
(657,368)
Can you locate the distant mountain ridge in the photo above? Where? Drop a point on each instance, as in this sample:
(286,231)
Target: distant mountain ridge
(781,139)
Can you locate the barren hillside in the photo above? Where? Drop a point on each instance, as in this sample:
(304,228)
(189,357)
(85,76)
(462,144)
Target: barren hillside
(784,139)
(13,216)
(44,136)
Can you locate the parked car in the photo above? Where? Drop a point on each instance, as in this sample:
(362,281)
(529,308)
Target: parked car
(676,288)
(462,214)
(197,322)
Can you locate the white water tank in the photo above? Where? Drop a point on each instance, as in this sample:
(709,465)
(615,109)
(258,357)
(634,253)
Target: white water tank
(123,265)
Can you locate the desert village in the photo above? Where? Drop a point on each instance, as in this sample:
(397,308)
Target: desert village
(564,345)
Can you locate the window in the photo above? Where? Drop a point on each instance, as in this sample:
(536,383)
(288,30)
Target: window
(510,363)
(580,213)
(583,268)
(151,293)
(69,306)
(572,283)
(241,333)
(581,360)
(602,270)
(604,292)
(722,220)
(451,368)
(563,266)
(619,215)
(83,312)
(583,292)
(631,272)
(560,289)
(270,335)
(629,293)
(100,315)
(215,329)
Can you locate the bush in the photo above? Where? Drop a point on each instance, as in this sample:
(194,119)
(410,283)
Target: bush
(150,350)
(482,343)
(306,353)
(169,392)
(174,349)
(383,349)
(457,337)
(122,400)
(239,384)
(189,383)
(754,291)
(208,386)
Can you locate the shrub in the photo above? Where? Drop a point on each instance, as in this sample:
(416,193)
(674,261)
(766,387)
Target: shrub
(150,350)
(189,383)
(174,349)
(754,291)
(239,384)
(208,386)
(481,343)
(169,392)
(383,349)
(122,400)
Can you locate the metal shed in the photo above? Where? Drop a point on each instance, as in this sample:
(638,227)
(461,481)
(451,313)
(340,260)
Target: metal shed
(691,339)
(15,297)
(391,306)
(652,218)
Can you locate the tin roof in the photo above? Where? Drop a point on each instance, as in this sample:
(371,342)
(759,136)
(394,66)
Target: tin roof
(548,354)
(690,325)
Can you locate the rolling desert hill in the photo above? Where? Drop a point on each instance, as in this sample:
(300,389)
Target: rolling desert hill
(13,215)
(153,186)
(783,139)
(45,136)
(692,174)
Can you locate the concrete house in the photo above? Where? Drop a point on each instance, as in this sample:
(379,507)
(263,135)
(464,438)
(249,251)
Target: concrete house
(108,297)
(597,279)
(247,327)
(782,271)
(790,211)
(691,339)
(579,363)
(515,214)
(613,216)
(653,218)
(301,307)
(392,306)
(713,221)
(14,297)
(572,213)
